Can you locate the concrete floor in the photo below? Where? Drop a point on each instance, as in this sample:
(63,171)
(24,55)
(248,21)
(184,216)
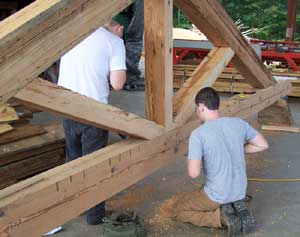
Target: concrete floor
(275,205)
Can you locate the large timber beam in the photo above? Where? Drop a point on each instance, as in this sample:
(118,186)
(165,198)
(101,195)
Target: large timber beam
(243,108)
(205,75)
(47,96)
(158,60)
(35,37)
(32,207)
(212,20)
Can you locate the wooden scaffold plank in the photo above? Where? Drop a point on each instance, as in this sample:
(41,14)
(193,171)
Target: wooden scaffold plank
(32,207)
(35,37)
(158,61)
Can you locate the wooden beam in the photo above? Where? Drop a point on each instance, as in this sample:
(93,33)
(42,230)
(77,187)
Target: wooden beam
(47,96)
(158,61)
(21,132)
(8,114)
(32,207)
(35,37)
(244,107)
(207,73)
(5,127)
(212,20)
(280,128)
(187,83)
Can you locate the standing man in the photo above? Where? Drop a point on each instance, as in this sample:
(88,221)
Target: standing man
(134,45)
(87,69)
(218,146)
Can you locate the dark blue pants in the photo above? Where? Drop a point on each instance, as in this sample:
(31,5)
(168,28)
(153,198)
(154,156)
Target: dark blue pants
(134,41)
(82,139)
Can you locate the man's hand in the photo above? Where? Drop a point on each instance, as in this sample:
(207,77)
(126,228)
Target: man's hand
(257,144)
(117,79)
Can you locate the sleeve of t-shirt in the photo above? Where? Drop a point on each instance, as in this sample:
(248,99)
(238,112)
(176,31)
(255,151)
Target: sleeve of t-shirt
(250,132)
(195,148)
(118,56)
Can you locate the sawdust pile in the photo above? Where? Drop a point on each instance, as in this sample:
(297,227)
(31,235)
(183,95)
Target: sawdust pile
(131,199)
(163,216)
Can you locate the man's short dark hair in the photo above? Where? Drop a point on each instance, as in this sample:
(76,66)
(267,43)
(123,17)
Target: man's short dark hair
(209,97)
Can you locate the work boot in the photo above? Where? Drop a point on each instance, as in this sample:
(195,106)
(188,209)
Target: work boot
(134,87)
(230,220)
(95,214)
(247,219)
(247,198)
(134,83)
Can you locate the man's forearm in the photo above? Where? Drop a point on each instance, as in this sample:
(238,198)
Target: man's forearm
(249,148)
(257,144)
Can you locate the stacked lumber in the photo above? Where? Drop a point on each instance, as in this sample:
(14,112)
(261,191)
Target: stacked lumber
(230,80)
(26,149)
(185,34)
(14,114)
(26,157)
(20,132)
(7,115)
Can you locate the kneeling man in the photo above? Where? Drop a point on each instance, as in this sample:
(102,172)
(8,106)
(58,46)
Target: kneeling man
(218,146)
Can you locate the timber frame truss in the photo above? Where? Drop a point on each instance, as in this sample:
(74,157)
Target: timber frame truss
(35,37)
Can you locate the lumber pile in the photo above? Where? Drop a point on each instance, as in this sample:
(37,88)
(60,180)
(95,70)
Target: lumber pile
(26,149)
(185,34)
(14,114)
(232,81)
(26,157)
(20,132)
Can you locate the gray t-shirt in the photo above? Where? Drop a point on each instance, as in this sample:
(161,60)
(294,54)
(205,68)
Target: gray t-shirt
(219,144)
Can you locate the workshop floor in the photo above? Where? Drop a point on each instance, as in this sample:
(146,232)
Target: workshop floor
(276,206)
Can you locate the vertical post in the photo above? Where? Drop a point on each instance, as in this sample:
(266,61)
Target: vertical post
(291,20)
(158,60)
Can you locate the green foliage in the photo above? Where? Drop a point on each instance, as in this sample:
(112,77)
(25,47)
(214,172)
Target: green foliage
(268,16)
(179,20)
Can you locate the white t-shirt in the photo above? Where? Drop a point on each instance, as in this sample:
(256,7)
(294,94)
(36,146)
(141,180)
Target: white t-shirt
(85,68)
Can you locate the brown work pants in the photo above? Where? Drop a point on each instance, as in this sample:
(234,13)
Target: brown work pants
(198,209)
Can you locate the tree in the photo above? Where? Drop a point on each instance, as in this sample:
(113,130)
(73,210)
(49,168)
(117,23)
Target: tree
(179,19)
(267,17)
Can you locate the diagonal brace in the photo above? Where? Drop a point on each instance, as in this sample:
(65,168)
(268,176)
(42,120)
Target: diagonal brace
(205,75)
(47,96)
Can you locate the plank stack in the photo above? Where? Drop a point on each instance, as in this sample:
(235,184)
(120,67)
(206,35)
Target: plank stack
(27,149)
(232,81)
